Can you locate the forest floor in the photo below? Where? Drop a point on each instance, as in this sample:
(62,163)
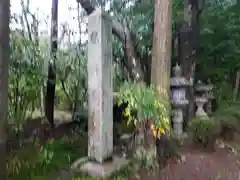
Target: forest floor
(57,149)
(224,164)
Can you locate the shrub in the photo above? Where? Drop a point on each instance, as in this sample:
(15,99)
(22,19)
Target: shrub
(229,119)
(230,111)
(204,131)
(229,125)
(151,119)
(149,106)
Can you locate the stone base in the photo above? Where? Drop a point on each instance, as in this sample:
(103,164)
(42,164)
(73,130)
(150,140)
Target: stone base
(102,170)
(182,135)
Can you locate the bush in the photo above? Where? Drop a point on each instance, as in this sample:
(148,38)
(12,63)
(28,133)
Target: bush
(230,111)
(148,106)
(204,131)
(229,125)
(151,119)
(229,118)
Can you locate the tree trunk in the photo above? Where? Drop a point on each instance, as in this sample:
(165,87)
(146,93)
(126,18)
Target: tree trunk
(236,87)
(51,82)
(42,104)
(189,35)
(161,65)
(123,33)
(4,65)
(162,47)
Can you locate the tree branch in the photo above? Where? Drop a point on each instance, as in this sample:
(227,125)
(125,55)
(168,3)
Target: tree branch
(124,35)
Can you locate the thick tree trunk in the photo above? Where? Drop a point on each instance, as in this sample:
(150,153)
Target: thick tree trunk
(125,36)
(51,82)
(162,47)
(4,64)
(161,65)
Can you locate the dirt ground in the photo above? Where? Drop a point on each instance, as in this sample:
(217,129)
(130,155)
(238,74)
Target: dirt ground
(199,165)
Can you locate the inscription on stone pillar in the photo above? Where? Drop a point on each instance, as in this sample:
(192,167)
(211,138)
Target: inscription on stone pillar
(100,91)
(94,37)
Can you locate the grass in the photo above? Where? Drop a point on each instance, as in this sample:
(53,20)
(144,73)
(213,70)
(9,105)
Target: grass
(38,162)
(45,162)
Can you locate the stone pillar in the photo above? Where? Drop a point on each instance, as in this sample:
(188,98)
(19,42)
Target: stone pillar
(100,90)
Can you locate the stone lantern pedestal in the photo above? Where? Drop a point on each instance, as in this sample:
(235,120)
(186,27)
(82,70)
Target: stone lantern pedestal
(200,101)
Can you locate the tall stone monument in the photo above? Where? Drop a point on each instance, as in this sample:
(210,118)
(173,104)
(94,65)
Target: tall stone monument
(100,160)
(100,87)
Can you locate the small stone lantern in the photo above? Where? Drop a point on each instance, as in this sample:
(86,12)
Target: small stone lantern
(201,98)
(210,97)
(179,85)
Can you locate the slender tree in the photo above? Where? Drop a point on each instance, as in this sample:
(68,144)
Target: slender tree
(4,64)
(51,81)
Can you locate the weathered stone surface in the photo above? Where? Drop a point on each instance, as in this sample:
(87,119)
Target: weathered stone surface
(100,145)
(105,169)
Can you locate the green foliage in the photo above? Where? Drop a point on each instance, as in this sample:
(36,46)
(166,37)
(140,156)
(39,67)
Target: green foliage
(72,76)
(218,57)
(147,103)
(218,53)
(229,122)
(30,54)
(24,79)
(36,161)
(229,118)
(231,110)
(204,131)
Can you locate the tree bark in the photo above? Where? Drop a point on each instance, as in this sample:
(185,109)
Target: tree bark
(162,47)
(4,65)
(161,66)
(236,87)
(51,82)
(189,36)
(123,33)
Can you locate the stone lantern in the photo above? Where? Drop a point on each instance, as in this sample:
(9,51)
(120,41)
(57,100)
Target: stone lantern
(201,98)
(179,86)
(210,97)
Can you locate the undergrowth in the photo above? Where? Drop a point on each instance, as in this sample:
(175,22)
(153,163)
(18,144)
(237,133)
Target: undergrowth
(45,162)
(37,162)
